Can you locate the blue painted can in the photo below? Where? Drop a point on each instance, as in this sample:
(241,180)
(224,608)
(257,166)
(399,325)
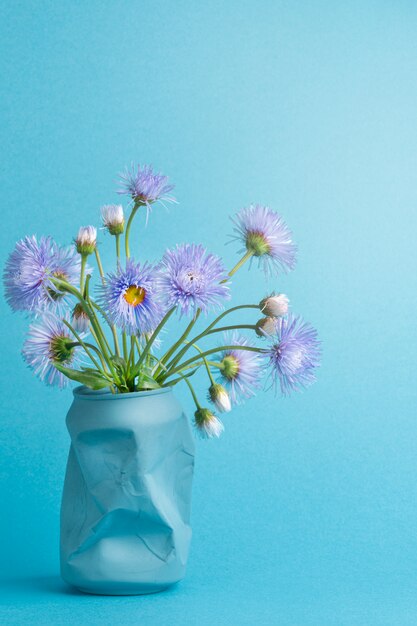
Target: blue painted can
(125,515)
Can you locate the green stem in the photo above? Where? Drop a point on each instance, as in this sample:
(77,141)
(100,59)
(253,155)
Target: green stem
(208,329)
(128,227)
(111,326)
(181,340)
(193,393)
(194,366)
(239,264)
(148,346)
(172,350)
(206,353)
(226,328)
(103,280)
(132,351)
(137,344)
(172,383)
(100,265)
(115,339)
(82,272)
(149,357)
(93,305)
(191,366)
(72,344)
(95,324)
(210,375)
(118,247)
(227,312)
(102,342)
(103,363)
(124,339)
(97,332)
(158,366)
(206,363)
(94,334)
(81,342)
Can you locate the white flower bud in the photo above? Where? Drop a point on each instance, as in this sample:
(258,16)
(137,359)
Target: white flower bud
(274,305)
(113,218)
(207,424)
(220,398)
(266,326)
(79,319)
(86,240)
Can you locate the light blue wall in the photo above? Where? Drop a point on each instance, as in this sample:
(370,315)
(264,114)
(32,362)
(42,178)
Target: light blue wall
(305,511)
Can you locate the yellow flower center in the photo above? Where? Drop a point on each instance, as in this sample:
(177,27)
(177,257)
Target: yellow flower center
(134,295)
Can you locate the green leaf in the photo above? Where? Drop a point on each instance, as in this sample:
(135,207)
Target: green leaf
(118,361)
(174,381)
(92,378)
(120,366)
(146,381)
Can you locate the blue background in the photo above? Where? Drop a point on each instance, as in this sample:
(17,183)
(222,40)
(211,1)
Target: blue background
(305,512)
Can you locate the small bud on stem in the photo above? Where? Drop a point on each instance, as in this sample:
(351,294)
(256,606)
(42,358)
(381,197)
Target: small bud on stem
(207,424)
(86,240)
(113,218)
(275,305)
(220,398)
(266,326)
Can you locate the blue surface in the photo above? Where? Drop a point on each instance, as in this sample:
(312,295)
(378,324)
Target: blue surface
(126,504)
(305,512)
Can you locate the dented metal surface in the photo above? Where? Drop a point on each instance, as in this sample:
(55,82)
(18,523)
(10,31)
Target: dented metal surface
(125,515)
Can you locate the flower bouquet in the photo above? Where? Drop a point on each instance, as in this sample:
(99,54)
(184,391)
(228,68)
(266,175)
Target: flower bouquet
(108,339)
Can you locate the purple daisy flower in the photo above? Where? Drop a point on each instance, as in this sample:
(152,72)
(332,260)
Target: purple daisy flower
(266,236)
(295,354)
(145,186)
(191,278)
(49,341)
(30,269)
(129,298)
(241,370)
